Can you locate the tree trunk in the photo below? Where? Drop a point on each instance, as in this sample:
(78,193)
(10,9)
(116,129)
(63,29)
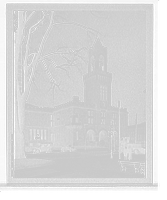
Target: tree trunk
(19,118)
(19,99)
(19,128)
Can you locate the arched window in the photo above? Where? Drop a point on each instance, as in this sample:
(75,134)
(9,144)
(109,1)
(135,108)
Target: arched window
(92,64)
(101,62)
(90,135)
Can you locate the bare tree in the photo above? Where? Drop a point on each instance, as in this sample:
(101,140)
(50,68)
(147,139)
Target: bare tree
(27,55)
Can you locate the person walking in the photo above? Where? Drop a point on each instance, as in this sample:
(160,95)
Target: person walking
(129,152)
(125,153)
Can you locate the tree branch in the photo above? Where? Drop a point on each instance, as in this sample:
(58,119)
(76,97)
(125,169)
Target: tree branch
(39,53)
(26,67)
(45,35)
(51,79)
(81,26)
(59,66)
(62,53)
(25,13)
(27,49)
(28,18)
(39,23)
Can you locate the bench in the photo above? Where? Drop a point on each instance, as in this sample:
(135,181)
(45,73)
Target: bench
(136,166)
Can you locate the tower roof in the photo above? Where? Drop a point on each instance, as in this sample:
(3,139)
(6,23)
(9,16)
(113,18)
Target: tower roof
(97,43)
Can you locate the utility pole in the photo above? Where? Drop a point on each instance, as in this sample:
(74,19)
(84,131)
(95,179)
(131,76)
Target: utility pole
(136,129)
(119,129)
(85,141)
(85,136)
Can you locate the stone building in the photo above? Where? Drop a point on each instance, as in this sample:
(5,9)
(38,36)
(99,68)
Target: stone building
(137,134)
(82,123)
(37,122)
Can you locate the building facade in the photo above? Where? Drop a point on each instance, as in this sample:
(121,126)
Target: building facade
(137,134)
(37,130)
(82,123)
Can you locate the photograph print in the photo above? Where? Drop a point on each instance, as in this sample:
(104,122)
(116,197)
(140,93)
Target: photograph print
(80,94)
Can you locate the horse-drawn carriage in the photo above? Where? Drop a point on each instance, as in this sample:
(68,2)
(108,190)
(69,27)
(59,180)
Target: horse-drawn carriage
(41,146)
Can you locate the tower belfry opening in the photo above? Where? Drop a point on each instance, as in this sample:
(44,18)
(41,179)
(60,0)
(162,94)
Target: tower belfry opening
(97,44)
(97,82)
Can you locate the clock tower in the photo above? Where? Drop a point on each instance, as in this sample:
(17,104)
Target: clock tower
(97,82)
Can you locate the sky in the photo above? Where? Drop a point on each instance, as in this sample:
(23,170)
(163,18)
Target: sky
(124,35)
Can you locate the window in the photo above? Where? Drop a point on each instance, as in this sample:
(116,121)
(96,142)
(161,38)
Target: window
(31,134)
(57,121)
(114,115)
(45,135)
(103,93)
(115,122)
(112,122)
(91,137)
(90,113)
(101,62)
(41,134)
(51,120)
(103,121)
(53,136)
(103,115)
(90,120)
(77,135)
(34,133)
(90,117)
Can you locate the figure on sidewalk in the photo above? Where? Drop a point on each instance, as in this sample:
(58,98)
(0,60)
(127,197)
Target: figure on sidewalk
(129,152)
(125,152)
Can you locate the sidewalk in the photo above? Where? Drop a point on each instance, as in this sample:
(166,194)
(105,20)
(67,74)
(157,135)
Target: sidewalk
(86,167)
(27,163)
(100,174)
(72,167)
(78,150)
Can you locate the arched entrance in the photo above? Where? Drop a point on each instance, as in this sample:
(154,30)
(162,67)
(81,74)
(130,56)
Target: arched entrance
(103,138)
(90,138)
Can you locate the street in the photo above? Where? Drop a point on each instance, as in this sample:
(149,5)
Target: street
(77,166)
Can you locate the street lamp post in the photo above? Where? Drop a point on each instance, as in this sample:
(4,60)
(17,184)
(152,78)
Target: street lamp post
(113,124)
(85,140)
(114,142)
(85,134)
(111,145)
(110,134)
(119,132)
